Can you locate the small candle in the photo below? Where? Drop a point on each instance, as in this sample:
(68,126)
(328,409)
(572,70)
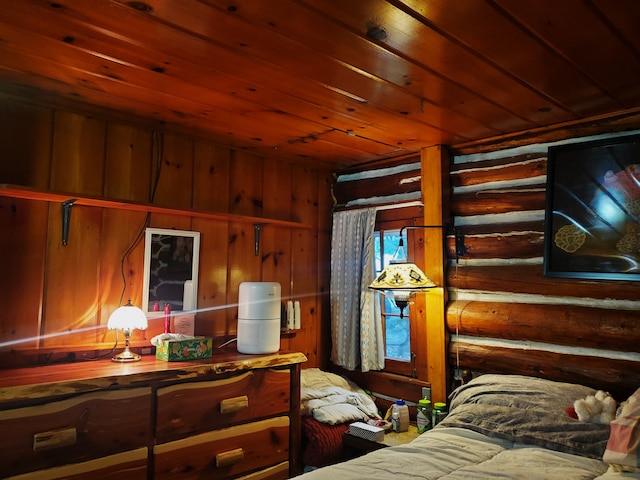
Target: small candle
(167,318)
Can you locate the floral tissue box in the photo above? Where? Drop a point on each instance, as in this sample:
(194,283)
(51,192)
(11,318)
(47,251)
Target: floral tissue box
(188,349)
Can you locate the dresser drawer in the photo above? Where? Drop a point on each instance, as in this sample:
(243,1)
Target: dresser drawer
(190,408)
(276,472)
(130,465)
(225,453)
(74,430)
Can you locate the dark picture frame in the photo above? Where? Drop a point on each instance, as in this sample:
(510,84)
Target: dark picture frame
(592,211)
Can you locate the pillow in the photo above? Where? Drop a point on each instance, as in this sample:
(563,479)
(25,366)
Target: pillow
(526,410)
(623,447)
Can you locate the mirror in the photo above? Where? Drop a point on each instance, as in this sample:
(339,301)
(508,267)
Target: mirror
(170,270)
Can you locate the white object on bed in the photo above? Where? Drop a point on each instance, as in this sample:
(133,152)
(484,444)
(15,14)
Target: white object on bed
(332,399)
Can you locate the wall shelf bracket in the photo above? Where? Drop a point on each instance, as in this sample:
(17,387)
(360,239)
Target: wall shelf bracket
(66,219)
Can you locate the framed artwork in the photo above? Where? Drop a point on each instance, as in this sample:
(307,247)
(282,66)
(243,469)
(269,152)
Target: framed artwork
(592,215)
(171,260)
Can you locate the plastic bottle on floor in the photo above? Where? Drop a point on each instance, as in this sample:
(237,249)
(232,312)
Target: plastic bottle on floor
(400,416)
(423,415)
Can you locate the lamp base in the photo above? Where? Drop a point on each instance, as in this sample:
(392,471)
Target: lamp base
(126,356)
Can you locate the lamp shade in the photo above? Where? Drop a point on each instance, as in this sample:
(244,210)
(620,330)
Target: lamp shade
(127,317)
(402,276)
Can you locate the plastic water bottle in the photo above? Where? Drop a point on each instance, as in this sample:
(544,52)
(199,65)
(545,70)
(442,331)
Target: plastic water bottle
(423,416)
(400,416)
(439,412)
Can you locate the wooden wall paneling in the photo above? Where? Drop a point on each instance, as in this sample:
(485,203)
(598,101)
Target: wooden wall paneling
(71,285)
(245,198)
(22,256)
(129,155)
(323,263)
(243,265)
(122,231)
(174,186)
(25,153)
(246,184)
(275,251)
(211,193)
(77,164)
(211,319)
(211,169)
(72,272)
(128,162)
(304,261)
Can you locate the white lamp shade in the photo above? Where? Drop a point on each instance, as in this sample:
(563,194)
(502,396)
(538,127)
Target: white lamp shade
(127,317)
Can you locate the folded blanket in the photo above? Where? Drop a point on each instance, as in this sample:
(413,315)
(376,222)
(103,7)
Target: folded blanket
(332,399)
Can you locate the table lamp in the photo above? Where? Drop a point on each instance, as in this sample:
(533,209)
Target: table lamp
(126,318)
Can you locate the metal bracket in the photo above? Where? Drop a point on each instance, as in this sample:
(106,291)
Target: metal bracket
(460,248)
(66,219)
(256,232)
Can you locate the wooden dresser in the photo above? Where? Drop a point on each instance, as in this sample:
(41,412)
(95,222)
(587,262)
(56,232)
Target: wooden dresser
(230,416)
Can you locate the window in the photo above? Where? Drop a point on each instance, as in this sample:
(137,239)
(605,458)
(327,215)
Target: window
(399,356)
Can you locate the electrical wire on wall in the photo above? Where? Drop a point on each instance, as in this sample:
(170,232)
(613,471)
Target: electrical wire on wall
(158,147)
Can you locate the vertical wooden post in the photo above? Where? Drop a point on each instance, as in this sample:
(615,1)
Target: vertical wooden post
(435,175)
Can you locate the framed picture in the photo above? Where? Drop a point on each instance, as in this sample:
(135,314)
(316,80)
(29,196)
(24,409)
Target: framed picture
(592,217)
(171,259)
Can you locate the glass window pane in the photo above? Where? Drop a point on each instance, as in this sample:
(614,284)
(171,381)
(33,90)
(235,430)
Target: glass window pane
(397,333)
(398,344)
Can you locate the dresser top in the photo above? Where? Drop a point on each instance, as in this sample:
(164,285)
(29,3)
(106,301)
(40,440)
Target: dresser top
(32,383)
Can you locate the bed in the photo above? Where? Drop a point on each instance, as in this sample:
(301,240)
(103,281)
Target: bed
(510,427)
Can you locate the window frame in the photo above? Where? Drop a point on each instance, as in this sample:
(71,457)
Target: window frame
(385,221)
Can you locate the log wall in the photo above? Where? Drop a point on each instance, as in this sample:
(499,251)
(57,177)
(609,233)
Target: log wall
(56,299)
(504,315)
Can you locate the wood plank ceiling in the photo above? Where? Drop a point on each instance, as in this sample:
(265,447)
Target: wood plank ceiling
(331,83)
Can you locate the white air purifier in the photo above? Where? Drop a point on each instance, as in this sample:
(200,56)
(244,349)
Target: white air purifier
(259,317)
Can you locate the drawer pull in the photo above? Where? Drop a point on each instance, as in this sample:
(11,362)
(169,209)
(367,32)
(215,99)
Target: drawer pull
(231,457)
(54,439)
(230,405)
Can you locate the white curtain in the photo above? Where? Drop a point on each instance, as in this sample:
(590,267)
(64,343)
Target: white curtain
(356,323)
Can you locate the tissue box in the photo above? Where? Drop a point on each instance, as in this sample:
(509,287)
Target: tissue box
(179,350)
(364,430)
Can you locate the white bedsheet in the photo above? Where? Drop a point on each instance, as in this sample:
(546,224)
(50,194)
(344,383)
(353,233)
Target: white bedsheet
(460,454)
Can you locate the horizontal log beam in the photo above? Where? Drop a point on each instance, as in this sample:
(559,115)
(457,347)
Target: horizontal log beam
(529,279)
(496,201)
(619,377)
(556,324)
(513,168)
